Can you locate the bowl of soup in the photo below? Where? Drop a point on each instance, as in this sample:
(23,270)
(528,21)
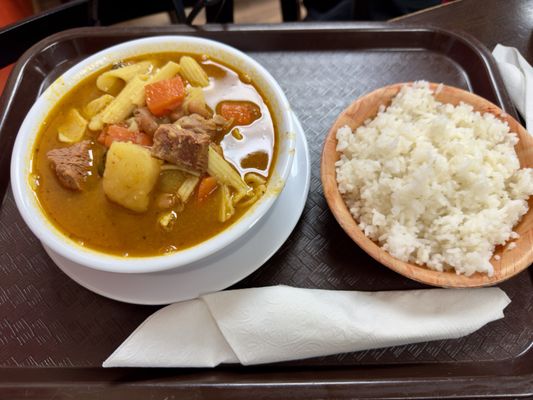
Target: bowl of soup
(152,154)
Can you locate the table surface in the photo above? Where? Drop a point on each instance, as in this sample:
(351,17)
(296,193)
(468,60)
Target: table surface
(508,22)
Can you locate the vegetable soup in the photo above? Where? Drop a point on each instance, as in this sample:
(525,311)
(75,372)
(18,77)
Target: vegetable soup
(154,154)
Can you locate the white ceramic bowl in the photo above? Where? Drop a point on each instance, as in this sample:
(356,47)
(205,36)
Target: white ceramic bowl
(50,236)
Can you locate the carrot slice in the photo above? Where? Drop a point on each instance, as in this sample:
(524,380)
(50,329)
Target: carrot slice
(164,96)
(101,137)
(206,187)
(143,139)
(242,112)
(117,133)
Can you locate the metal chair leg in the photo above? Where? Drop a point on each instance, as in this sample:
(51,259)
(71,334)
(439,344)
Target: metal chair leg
(221,12)
(290,10)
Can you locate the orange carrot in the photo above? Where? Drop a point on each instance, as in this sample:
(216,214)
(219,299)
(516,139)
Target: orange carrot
(242,112)
(164,96)
(206,187)
(101,137)
(143,139)
(117,133)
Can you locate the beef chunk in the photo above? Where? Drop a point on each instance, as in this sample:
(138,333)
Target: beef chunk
(176,114)
(71,164)
(199,124)
(181,147)
(146,122)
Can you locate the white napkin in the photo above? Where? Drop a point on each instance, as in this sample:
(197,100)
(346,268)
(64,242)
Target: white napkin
(518,78)
(280,323)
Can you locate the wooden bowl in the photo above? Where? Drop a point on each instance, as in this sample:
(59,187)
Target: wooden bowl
(511,262)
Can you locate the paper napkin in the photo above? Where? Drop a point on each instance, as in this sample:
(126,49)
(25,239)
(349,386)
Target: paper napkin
(280,323)
(518,78)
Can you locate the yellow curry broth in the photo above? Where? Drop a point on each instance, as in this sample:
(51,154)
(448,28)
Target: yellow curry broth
(90,218)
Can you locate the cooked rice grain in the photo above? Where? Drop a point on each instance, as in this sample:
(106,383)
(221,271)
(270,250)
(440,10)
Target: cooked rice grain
(432,183)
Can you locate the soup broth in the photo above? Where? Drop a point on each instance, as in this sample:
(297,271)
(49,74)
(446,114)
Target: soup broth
(234,128)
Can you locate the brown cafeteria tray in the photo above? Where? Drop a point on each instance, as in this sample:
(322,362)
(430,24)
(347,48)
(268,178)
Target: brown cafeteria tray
(55,334)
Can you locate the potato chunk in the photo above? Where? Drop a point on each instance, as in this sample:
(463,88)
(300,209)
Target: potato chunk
(130,175)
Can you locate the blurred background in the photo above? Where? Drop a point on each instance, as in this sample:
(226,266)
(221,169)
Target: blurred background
(248,11)
(24,22)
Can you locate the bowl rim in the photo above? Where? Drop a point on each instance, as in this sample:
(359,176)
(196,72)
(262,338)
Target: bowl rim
(35,216)
(422,274)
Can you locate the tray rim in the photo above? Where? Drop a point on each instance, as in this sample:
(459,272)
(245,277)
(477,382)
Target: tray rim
(231,382)
(516,383)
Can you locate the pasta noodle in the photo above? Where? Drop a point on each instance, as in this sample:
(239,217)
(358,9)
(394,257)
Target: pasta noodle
(110,79)
(256,194)
(254,179)
(187,187)
(224,173)
(122,106)
(258,183)
(170,167)
(169,70)
(226,210)
(96,122)
(97,105)
(72,128)
(193,72)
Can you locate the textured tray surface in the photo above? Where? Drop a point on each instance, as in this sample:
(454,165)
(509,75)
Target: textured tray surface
(48,320)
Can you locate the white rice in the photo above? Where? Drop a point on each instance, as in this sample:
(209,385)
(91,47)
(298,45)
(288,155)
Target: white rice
(432,183)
